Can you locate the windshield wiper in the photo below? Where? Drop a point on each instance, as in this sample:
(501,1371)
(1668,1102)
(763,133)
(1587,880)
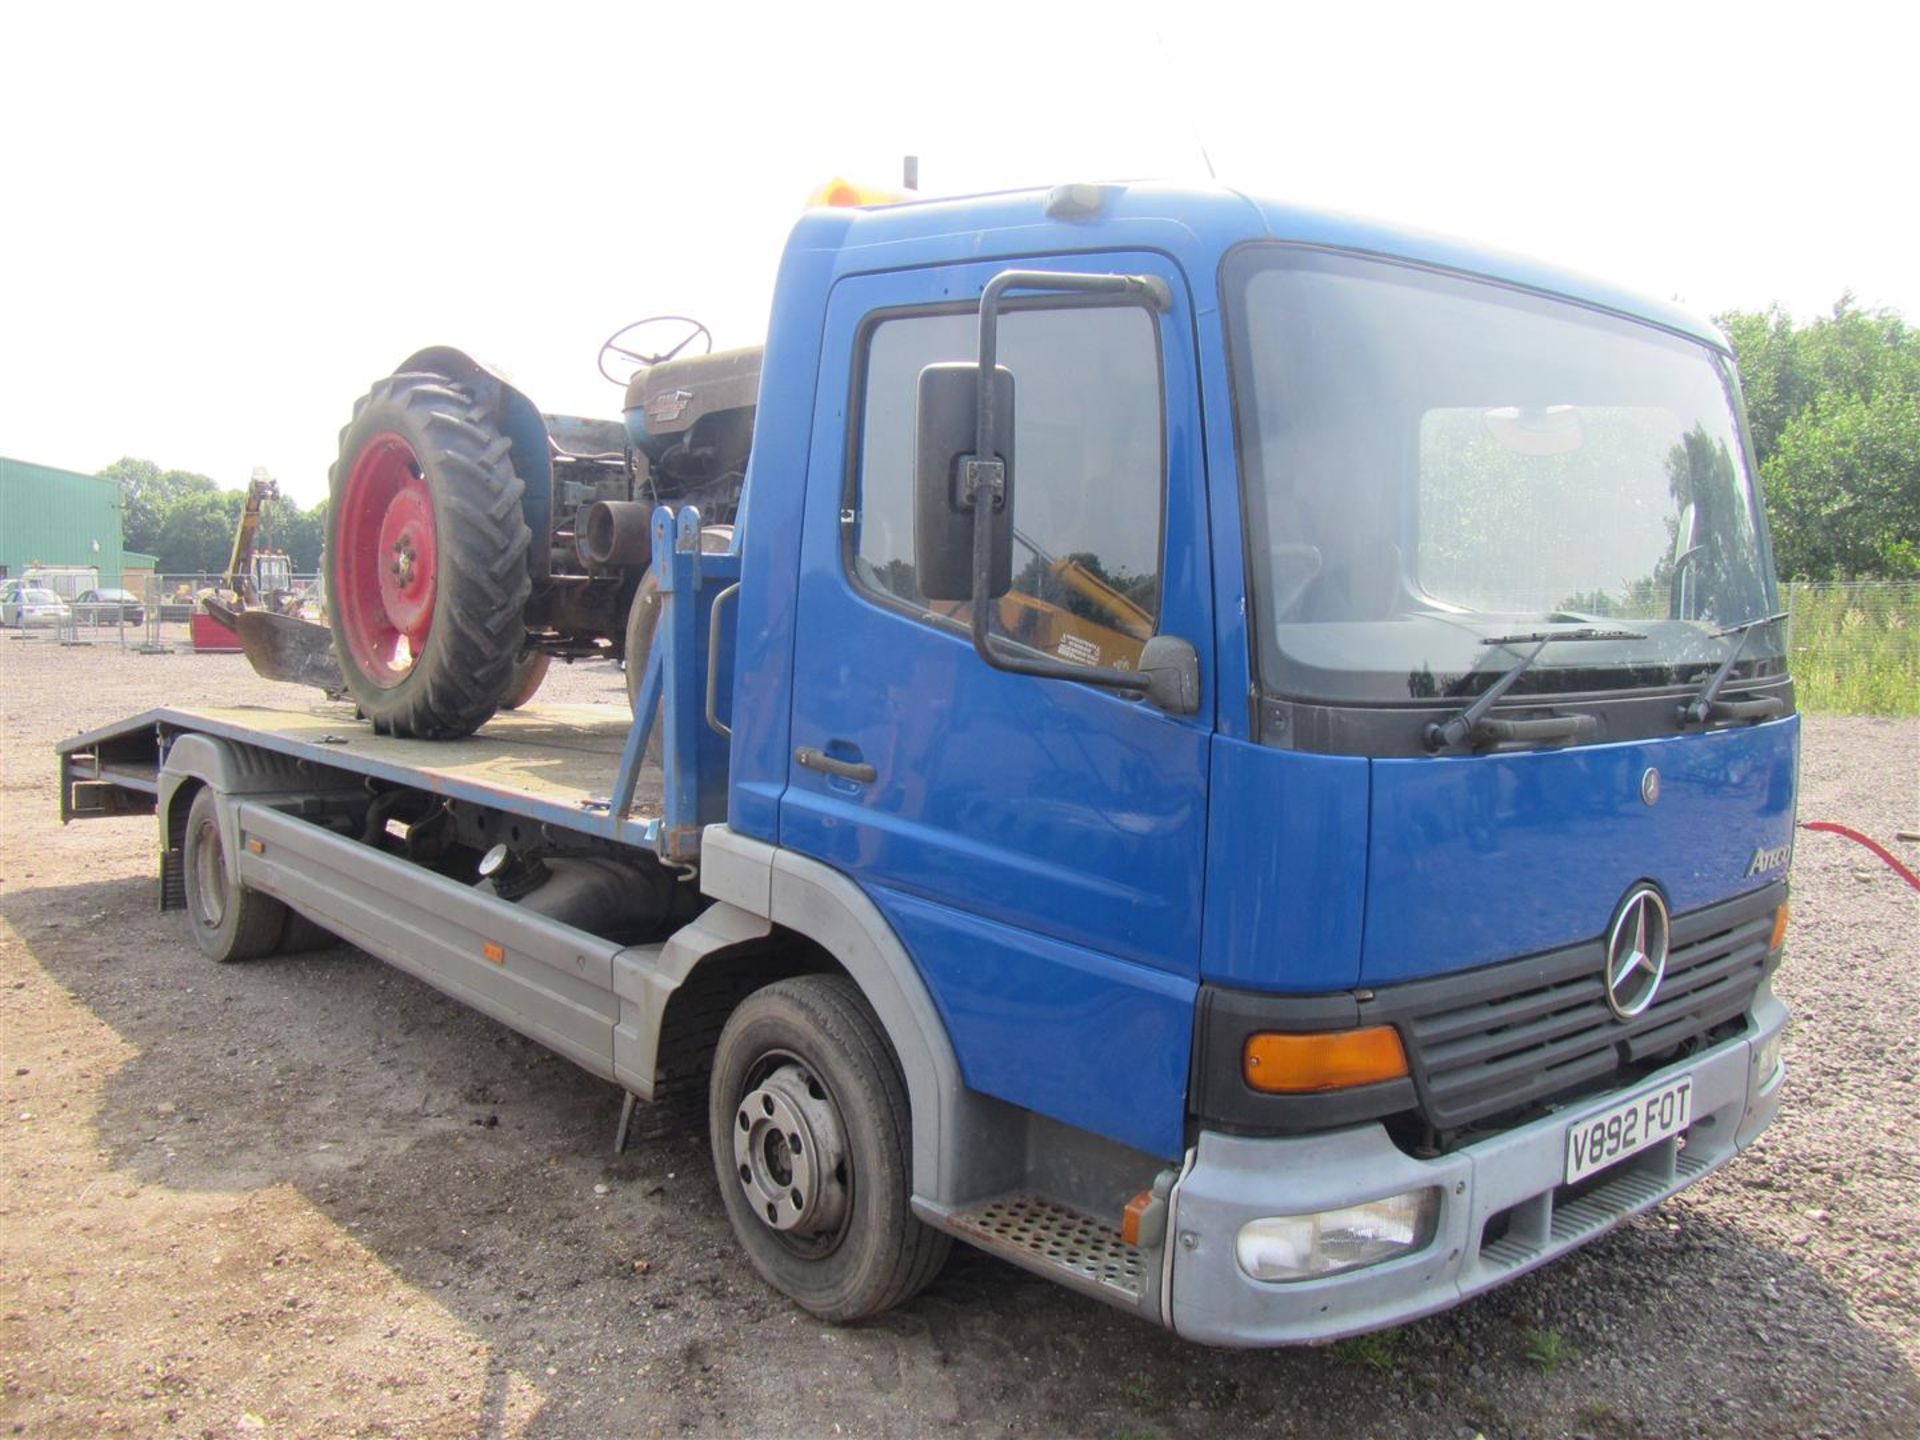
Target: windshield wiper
(1471,722)
(1702,708)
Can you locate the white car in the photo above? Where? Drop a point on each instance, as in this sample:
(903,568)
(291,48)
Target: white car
(31,606)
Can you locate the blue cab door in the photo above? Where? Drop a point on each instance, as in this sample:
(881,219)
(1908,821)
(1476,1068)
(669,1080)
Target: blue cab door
(1037,844)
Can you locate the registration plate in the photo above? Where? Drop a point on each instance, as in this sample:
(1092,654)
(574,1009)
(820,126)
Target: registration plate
(1599,1140)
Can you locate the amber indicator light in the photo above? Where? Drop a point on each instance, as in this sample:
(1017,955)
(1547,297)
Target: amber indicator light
(1335,1060)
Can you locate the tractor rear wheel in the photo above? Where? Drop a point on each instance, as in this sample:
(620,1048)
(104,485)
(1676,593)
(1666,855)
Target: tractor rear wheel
(529,673)
(427,547)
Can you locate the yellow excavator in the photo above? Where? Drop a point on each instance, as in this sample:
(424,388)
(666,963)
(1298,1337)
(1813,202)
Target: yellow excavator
(1114,639)
(256,599)
(256,578)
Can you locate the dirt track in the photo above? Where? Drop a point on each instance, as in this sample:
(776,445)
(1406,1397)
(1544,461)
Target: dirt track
(311,1197)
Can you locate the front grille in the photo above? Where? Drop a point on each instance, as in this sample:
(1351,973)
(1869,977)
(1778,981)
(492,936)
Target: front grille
(1511,1035)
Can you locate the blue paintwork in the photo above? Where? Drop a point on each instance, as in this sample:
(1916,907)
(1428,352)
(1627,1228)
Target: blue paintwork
(1069,820)
(769,528)
(1286,869)
(1476,860)
(1091,1041)
(1042,847)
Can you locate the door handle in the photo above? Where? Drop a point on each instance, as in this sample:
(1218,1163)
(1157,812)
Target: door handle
(713,662)
(846,769)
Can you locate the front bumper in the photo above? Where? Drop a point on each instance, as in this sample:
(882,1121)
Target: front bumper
(1234,1180)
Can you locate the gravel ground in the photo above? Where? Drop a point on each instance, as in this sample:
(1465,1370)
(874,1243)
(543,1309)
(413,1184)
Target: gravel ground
(312,1197)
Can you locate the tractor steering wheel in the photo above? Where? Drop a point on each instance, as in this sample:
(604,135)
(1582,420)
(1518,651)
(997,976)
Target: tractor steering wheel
(645,359)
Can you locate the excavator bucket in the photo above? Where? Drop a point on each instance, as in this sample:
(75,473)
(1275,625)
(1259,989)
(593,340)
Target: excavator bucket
(227,614)
(283,647)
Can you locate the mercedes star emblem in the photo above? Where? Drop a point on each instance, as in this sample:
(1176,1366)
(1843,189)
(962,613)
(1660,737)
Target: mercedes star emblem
(1636,952)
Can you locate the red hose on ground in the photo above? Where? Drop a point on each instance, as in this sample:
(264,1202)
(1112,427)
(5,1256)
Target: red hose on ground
(1875,846)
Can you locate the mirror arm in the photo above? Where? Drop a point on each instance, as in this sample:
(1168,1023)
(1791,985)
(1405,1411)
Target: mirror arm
(983,487)
(1150,288)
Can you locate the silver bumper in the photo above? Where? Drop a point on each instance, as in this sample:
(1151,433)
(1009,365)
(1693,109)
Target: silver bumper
(1233,1180)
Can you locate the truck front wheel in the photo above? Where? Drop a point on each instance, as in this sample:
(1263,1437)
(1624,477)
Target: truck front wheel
(230,922)
(812,1148)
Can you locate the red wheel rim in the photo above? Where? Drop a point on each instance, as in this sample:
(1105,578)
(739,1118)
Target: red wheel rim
(388,560)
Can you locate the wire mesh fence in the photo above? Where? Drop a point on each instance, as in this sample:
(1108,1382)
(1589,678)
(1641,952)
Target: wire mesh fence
(1854,646)
(134,609)
(72,605)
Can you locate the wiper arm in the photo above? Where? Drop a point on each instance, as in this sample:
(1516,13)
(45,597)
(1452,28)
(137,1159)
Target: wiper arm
(1700,709)
(1471,720)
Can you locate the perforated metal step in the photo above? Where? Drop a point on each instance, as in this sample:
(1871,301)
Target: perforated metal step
(1063,1244)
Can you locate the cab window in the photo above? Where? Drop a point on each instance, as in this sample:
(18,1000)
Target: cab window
(1090,457)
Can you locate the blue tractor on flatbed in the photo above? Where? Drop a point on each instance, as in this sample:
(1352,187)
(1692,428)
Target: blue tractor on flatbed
(1239,759)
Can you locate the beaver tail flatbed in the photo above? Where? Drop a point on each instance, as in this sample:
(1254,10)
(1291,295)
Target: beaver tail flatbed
(559,764)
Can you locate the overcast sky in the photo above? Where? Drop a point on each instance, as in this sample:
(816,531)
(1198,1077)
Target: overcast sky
(222,223)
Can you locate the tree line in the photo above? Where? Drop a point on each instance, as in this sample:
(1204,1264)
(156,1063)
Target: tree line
(187,520)
(1834,410)
(1833,407)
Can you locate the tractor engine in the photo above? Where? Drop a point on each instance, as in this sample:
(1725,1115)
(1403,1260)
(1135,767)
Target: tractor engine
(689,427)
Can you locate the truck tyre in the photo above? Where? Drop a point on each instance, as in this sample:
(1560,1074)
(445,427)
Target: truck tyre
(229,921)
(303,935)
(812,1148)
(529,673)
(428,584)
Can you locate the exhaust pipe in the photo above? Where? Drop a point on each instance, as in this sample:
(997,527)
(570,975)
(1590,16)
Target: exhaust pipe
(617,532)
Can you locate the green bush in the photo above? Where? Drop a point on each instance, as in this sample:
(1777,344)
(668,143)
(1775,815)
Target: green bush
(1855,649)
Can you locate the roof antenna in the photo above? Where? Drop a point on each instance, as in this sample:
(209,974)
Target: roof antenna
(1199,140)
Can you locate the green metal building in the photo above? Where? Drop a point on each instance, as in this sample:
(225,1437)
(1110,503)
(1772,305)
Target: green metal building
(50,516)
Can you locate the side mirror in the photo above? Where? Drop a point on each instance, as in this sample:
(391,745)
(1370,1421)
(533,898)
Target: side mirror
(1171,668)
(946,433)
(1681,600)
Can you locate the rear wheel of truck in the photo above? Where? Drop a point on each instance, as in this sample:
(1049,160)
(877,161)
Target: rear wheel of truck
(230,922)
(428,552)
(812,1148)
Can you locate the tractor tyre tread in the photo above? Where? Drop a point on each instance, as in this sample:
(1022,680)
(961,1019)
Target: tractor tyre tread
(466,667)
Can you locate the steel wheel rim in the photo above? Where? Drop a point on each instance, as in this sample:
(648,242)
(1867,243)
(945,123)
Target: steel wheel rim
(388,560)
(209,877)
(785,1098)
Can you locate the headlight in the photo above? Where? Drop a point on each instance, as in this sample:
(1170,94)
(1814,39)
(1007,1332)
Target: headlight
(1300,1247)
(1766,1057)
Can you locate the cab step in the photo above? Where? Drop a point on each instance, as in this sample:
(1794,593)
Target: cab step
(1061,1243)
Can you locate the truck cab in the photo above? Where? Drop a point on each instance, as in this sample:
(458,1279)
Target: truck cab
(1350,969)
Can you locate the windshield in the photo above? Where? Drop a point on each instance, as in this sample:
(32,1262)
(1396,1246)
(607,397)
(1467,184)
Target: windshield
(1432,461)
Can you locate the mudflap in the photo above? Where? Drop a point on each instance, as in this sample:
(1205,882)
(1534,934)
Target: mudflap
(282,647)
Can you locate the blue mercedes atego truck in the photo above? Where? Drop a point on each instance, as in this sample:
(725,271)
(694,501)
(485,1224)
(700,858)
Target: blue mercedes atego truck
(1239,759)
